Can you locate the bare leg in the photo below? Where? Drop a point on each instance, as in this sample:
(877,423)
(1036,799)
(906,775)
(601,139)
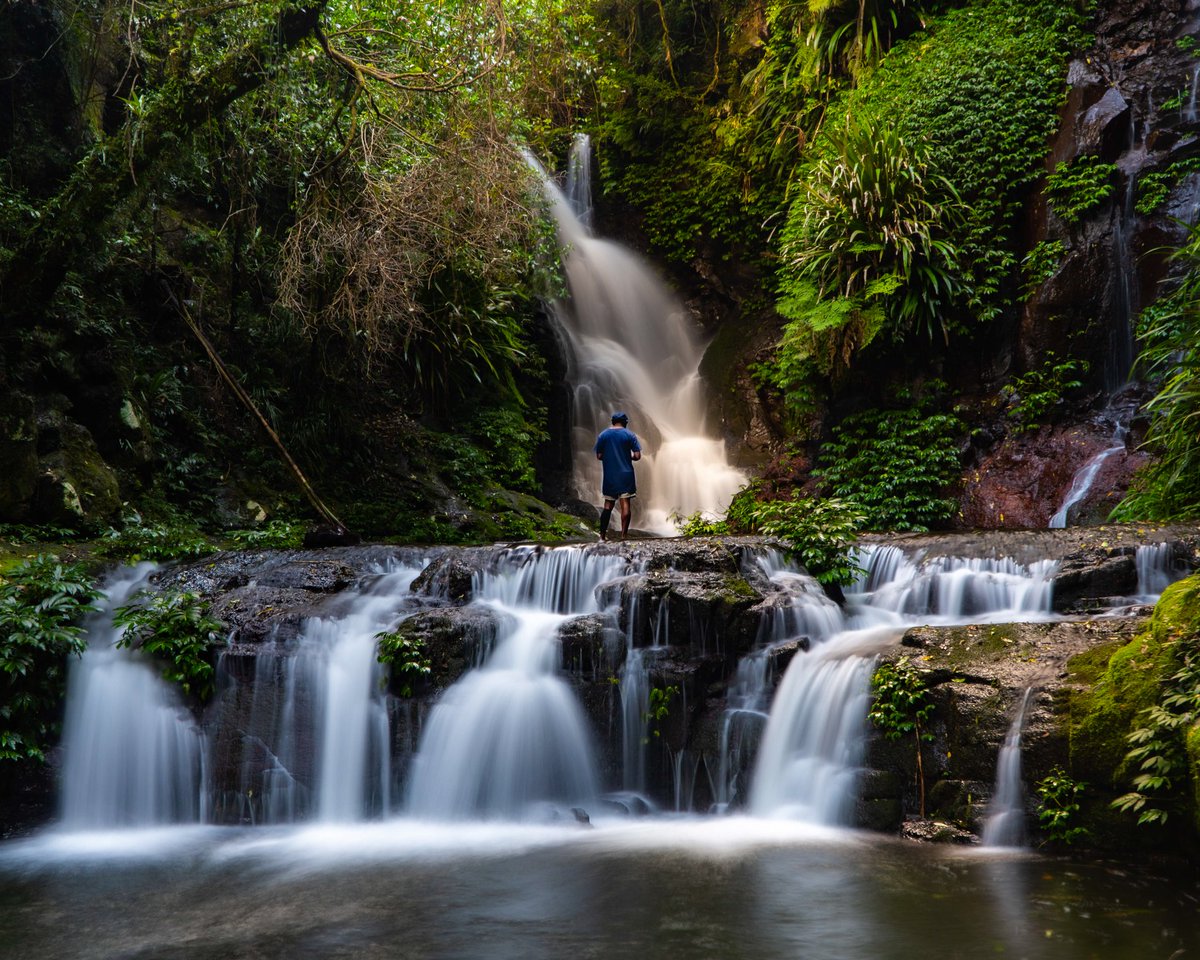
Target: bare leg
(605,515)
(625,513)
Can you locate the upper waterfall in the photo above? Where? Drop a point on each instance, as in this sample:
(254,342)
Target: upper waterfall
(631,345)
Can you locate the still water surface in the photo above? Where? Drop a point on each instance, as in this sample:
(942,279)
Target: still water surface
(680,889)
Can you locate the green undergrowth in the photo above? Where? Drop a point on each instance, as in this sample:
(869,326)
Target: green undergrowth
(1120,689)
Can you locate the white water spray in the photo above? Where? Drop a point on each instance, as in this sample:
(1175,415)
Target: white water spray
(510,737)
(632,346)
(133,754)
(1005,822)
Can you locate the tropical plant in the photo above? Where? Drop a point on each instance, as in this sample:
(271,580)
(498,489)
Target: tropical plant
(851,35)
(869,224)
(140,540)
(896,463)
(1077,188)
(658,708)
(1032,397)
(1058,807)
(1158,750)
(407,657)
(42,601)
(176,630)
(899,706)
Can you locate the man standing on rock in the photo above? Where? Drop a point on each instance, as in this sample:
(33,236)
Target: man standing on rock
(617,448)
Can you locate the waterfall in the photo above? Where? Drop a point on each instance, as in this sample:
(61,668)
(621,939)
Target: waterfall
(1005,822)
(632,346)
(510,736)
(132,752)
(316,731)
(1189,113)
(1081,484)
(1154,570)
(812,748)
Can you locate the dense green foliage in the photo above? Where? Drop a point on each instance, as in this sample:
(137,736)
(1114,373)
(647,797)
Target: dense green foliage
(1078,188)
(1058,807)
(1169,488)
(899,705)
(866,230)
(819,531)
(42,601)
(407,658)
(896,463)
(1032,398)
(176,630)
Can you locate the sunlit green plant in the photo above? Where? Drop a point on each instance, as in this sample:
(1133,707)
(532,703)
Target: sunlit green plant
(176,630)
(42,602)
(869,225)
(900,705)
(1058,807)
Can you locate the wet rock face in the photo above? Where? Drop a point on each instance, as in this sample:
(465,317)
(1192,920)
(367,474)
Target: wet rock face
(1114,112)
(976,678)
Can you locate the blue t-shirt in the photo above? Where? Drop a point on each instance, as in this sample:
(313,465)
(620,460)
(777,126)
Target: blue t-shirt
(615,447)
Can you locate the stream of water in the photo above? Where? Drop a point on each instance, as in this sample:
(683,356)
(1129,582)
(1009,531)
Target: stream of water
(509,840)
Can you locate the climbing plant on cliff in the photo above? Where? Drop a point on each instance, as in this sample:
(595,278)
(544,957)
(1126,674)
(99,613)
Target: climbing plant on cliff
(176,630)
(896,462)
(42,602)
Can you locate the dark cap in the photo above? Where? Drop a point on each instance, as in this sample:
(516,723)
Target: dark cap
(620,417)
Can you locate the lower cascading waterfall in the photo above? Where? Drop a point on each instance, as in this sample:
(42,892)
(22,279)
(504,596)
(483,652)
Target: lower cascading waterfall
(1004,825)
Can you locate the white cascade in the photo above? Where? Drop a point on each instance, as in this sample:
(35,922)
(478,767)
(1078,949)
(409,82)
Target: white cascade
(1004,825)
(632,346)
(510,737)
(1154,570)
(133,755)
(318,727)
(811,750)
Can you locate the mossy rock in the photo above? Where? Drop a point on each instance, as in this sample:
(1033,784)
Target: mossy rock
(1111,687)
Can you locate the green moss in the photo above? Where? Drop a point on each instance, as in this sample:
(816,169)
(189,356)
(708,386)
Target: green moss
(1114,684)
(1193,756)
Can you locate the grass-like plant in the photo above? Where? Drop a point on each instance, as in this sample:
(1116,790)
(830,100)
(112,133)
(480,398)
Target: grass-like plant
(869,226)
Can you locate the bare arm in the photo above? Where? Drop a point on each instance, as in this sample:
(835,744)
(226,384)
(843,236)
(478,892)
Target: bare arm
(637,454)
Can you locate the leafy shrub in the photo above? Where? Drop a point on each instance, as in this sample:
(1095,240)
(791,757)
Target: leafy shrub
(1076,189)
(42,602)
(1153,189)
(176,630)
(137,540)
(1157,747)
(1041,263)
(819,532)
(1058,807)
(1032,397)
(658,708)
(407,658)
(895,463)
(278,534)
(900,704)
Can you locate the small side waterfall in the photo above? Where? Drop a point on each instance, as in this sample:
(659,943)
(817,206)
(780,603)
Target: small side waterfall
(1154,569)
(631,346)
(1081,483)
(132,753)
(1005,822)
(510,736)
